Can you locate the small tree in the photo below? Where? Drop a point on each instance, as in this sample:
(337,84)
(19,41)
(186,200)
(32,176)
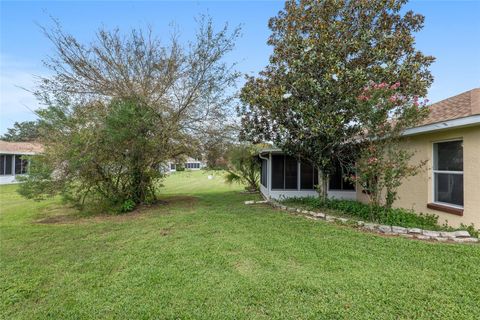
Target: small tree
(120,107)
(244,166)
(384,114)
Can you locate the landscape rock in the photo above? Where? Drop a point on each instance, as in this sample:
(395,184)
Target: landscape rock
(430,233)
(330,218)
(406,235)
(462,234)
(399,230)
(414,231)
(370,226)
(449,235)
(422,237)
(466,240)
(385,229)
(319,215)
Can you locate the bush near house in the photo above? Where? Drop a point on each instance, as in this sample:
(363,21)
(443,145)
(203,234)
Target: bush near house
(389,216)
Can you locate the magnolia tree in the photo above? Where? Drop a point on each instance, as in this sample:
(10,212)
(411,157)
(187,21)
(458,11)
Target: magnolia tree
(324,53)
(384,114)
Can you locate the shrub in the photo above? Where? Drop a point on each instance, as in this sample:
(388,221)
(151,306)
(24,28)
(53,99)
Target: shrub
(393,216)
(127,206)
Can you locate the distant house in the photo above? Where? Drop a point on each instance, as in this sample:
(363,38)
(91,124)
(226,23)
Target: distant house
(189,164)
(13,161)
(448,186)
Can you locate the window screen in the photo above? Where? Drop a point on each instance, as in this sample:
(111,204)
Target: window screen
(291,173)
(20,164)
(264,173)
(339,179)
(306,176)
(8,164)
(278,173)
(448,172)
(2,164)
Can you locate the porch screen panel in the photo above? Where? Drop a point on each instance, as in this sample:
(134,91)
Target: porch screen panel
(291,173)
(264,173)
(306,176)
(2,164)
(335,179)
(8,164)
(278,173)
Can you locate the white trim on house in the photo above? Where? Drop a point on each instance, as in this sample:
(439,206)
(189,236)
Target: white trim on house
(444,125)
(434,171)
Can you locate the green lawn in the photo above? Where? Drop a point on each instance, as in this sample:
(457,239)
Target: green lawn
(205,255)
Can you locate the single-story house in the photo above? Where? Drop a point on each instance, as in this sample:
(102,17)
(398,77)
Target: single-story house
(448,186)
(12,160)
(189,164)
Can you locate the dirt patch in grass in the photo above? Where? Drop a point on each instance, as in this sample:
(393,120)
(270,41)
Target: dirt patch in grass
(167,205)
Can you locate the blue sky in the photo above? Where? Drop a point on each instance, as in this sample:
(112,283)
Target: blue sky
(451,34)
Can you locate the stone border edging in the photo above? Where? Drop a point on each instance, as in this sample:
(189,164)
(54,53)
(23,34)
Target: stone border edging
(461,236)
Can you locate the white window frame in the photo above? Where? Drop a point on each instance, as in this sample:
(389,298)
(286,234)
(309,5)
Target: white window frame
(446,204)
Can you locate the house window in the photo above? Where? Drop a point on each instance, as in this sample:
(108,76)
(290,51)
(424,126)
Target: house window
(338,180)
(6,164)
(192,165)
(284,172)
(173,166)
(448,173)
(263,173)
(308,176)
(21,164)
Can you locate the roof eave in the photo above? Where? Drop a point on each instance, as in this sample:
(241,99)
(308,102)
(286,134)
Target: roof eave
(444,125)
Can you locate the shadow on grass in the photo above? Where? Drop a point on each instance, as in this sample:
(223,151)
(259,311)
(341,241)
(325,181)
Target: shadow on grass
(63,214)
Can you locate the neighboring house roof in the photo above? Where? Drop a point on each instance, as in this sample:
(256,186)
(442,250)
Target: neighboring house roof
(460,106)
(20,147)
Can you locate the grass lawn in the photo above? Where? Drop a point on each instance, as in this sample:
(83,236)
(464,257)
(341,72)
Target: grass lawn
(205,255)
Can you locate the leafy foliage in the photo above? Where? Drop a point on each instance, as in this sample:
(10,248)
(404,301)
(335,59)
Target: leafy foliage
(324,53)
(390,216)
(122,106)
(22,132)
(384,114)
(244,166)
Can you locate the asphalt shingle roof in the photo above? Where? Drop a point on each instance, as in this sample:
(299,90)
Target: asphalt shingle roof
(462,105)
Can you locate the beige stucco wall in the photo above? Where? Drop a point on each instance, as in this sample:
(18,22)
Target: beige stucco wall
(417,191)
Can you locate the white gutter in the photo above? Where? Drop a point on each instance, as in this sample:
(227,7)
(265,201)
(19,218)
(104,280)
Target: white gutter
(444,125)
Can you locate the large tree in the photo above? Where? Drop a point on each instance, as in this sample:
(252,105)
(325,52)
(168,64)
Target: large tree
(324,53)
(121,106)
(22,131)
